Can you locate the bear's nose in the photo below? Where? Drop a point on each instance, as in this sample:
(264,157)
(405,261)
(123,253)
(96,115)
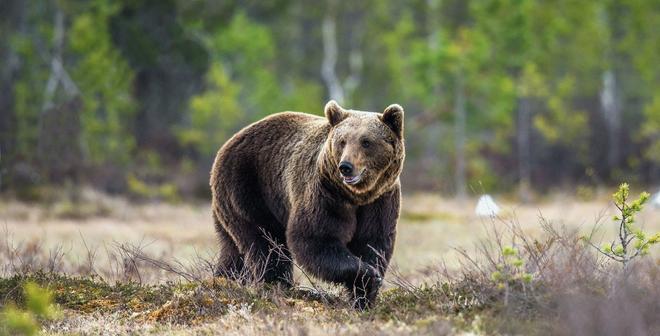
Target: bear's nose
(346,168)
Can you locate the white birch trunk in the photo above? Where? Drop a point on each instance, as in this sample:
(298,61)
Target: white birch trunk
(328,71)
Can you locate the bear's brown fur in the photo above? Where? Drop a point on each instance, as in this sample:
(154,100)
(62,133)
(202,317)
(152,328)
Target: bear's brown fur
(278,181)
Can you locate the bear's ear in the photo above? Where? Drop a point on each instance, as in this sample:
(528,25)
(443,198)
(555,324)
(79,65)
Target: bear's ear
(393,118)
(334,113)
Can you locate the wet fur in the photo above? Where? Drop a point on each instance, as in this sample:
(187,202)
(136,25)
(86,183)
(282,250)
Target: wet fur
(277,181)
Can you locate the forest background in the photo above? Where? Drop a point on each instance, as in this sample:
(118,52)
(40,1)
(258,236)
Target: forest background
(512,96)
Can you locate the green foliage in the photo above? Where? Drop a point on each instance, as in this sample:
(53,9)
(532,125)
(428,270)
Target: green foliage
(247,52)
(163,191)
(105,79)
(31,81)
(241,86)
(632,241)
(562,124)
(397,51)
(38,306)
(511,269)
(651,128)
(214,114)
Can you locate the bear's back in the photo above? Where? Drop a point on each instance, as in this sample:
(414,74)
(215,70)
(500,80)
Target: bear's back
(278,153)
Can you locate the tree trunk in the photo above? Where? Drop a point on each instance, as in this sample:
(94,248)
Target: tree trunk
(432,23)
(610,95)
(611,108)
(328,71)
(355,57)
(59,121)
(54,78)
(12,18)
(459,133)
(524,148)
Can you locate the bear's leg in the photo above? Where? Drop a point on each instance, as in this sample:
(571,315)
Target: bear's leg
(259,239)
(374,237)
(230,261)
(314,237)
(373,241)
(240,207)
(269,259)
(329,259)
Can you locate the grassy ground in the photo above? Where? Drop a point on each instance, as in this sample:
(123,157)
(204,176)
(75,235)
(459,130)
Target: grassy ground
(116,267)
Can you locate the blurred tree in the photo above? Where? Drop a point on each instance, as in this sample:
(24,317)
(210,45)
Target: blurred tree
(108,104)
(508,25)
(30,43)
(242,86)
(12,17)
(641,44)
(168,64)
(213,114)
(570,59)
(247,51)
(455,75)
(328,71)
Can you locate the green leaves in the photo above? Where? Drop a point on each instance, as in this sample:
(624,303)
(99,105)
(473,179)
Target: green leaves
(106,80)
(241,86)
(38,306)
(621,195)
(511,269)
(213,113)
(509,251)
(246,51)
(632,242)
(39,301)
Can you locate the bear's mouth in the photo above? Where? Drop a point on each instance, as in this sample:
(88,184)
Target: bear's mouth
(352,180)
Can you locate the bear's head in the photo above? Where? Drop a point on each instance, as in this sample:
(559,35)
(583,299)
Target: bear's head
(366,148)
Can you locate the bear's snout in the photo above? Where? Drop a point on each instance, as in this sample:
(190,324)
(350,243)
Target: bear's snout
(346,169)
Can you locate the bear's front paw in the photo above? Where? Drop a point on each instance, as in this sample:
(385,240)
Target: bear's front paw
(365,287)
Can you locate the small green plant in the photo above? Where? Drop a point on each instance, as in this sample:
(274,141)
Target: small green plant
(631,242)
(510,270)
(38,306)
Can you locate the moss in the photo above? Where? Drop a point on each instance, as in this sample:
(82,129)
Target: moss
(87,295)
(178,303)
(404,305)
(429,307)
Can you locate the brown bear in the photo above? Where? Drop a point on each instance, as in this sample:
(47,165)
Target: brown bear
(321,191)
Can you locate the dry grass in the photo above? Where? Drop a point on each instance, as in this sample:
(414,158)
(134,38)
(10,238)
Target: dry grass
(145,269)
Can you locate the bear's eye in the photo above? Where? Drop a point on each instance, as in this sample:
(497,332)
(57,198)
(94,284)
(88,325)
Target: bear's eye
(366,143)
(342,143)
